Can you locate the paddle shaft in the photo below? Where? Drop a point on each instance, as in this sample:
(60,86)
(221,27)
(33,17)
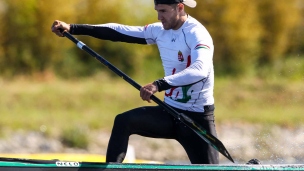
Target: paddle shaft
(209,138)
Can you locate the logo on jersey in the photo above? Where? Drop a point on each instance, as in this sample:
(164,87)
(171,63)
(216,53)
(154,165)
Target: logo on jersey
(186,97)
(200,46)
(180,56)
(173,38)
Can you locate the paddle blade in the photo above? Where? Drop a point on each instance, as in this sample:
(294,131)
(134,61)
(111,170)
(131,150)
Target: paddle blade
(209,138)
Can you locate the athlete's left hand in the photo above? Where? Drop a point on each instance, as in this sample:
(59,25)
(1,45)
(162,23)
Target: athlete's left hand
(147,91)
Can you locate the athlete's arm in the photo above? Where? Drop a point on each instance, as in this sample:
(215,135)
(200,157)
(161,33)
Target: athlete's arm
(196,72)
(111,31)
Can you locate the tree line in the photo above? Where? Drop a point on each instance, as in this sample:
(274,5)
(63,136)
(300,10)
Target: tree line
(248,35)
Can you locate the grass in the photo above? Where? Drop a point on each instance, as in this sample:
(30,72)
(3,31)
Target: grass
(54,105)
(260,101)
(57,104)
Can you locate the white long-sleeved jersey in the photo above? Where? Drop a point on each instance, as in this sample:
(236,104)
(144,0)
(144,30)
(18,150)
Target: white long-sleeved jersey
(186,54)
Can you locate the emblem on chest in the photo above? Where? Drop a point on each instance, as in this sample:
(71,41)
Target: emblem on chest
(180,56)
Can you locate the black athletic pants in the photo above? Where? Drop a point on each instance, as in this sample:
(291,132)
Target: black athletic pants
(155,122)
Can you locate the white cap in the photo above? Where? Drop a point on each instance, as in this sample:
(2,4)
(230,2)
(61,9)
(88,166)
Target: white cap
(190,3)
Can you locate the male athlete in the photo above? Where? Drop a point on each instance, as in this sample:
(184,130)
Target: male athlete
(186,50)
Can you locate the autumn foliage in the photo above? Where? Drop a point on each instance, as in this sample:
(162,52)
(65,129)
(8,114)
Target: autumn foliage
(248,34)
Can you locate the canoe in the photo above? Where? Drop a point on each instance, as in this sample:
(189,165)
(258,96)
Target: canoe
(19,164)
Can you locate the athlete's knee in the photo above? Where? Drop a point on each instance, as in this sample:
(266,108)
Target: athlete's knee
(125,118)
(129,119)
(121,119)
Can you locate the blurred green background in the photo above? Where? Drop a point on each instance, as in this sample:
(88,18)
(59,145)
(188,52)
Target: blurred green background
(47,82)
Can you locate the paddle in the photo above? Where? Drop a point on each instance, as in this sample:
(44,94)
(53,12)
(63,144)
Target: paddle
(209,138)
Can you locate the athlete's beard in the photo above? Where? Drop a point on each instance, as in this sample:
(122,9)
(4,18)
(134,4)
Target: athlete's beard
(171,24)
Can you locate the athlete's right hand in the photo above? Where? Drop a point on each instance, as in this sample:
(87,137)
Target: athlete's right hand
(59,26)
(147,91)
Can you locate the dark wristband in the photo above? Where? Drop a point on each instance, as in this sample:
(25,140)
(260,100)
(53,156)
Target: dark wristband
(72,27)
(162,85)
(81,29)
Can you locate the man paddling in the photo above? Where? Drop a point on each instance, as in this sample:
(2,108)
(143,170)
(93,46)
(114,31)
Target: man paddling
(186,49)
